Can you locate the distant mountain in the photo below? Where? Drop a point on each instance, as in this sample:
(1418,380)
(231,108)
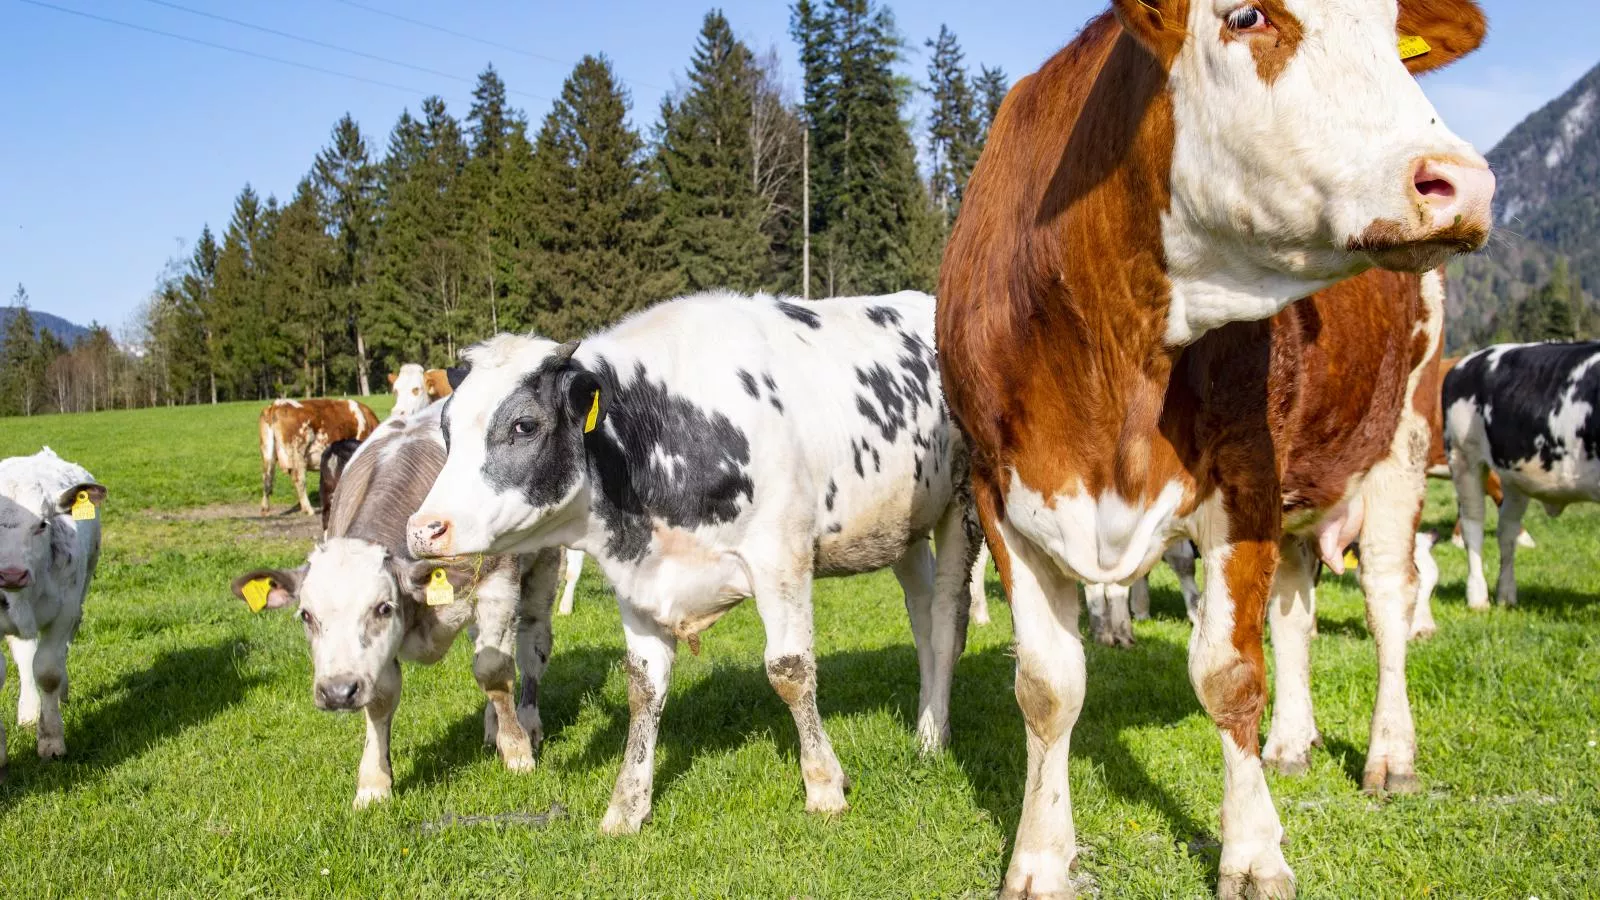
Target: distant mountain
(61,328)
(1547,204)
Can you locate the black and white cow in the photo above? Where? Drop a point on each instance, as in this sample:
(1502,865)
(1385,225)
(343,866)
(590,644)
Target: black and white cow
(366,604)
(1526,411)
(49,547)
(714,448)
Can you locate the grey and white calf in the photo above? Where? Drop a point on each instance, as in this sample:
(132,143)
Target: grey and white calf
(715,448)
(49,546)
(1526,412)
(367,604)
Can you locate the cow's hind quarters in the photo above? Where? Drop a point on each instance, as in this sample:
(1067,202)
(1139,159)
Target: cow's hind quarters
(1256,886)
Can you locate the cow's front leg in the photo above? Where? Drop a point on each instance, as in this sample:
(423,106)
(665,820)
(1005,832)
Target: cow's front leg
(375,778)
(494,668)
(1292,612)
(1512,509)
(1227,668)
(784,601)
(1050,681)
(4,759)
(50,678)
(22,652)
(651,649)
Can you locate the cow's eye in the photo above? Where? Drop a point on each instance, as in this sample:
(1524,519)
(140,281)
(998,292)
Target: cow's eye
(383,610)
(1248,18)
(522,427)
(307,617)
(41,527)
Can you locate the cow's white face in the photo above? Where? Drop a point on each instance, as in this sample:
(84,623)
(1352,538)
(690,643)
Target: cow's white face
(1303,148)
(35,535)
(517,469)
(410,391)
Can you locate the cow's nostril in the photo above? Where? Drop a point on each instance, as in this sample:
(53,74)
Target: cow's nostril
(437,529)
(1435,187)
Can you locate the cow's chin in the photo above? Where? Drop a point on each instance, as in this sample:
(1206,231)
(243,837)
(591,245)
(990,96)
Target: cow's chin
(1386,244)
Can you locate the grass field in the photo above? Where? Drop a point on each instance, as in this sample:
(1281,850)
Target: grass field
(199,767)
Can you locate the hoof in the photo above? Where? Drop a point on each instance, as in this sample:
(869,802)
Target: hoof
(1525,541)
(1290,764)
(617,823)
(519,762)
(931,740)
(367,796)
(52,748)
(1423,632)
(826,801)
(1245,886)
(1381,783)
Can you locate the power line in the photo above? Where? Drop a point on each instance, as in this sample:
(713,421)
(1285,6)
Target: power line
(324,44)
(480,40)
(216,46)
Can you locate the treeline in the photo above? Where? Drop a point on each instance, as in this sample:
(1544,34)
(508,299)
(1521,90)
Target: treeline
(40,372)
(457,228)
(1529,295)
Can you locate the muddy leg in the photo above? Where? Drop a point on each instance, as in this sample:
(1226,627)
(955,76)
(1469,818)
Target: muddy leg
(651,650)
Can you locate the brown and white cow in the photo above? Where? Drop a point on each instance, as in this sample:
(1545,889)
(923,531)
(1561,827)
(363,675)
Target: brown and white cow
(295,434)
(1145,203)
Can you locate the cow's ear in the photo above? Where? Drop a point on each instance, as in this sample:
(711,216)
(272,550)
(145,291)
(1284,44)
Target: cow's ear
(586,402)
(457,374)
(1159,25)
(267,588)
(89,491)
(416,575)
(392,378)
(1435,33)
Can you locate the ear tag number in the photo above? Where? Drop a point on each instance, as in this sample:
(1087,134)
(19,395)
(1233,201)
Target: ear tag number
(255,594)
(594,414)
(1413,45)
(440,591)
(83,507)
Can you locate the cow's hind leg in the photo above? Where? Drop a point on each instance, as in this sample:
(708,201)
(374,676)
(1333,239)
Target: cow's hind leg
(978,586)
(1422,624)
(1050,682)
(534,638)
(1394,494)
(298,473)
(22,653)
(1292,611)
(648,662)
(571,570)
(375,778)
(1512,509)
(1109,618)
(1468,478)
(494,668)
(1181,557)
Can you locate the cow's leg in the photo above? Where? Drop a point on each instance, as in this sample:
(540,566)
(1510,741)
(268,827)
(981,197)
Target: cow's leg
(1181,557)
(1228,671)
(298,473)
(1468,478)
(572,568)
(375,778)
(1394,494)
(1050,681)
(1108,614)
(534,638)
(1292,610)
(915,572)
(1139,600)
(4,759)
(22,652)
(1512,509)
(50,678)
(648,662)
(978,586)
(494,667)
(1422,624)
(784,600)
(946,619)
(269,464)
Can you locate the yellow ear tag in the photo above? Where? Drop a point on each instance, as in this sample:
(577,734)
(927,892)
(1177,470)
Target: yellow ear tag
(1412,45)
(1350,561)
(440,591)
(255,594)
(594,414)
(83,507)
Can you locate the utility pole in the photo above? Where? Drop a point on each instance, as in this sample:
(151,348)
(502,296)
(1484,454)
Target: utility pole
(805,206)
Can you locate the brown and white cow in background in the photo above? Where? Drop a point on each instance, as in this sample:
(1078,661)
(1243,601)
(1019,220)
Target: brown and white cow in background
(295,434)
(409,386)
(1176,177)
(49,547)
(366,604)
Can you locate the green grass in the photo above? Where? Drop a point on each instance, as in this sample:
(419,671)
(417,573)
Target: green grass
(199,767)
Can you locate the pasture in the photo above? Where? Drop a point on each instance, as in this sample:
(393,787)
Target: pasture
(199,767)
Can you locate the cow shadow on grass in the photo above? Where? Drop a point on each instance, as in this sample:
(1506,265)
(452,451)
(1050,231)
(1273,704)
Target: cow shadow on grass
(574,678)
(179,690)
(1143,687)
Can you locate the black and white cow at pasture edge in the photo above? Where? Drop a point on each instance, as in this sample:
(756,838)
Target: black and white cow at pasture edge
(714,448)
(49,547)
(365,604)
(1528,412)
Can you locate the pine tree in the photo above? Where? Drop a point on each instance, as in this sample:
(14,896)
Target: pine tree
(345,178)
(594,210)
(954,129)
(992,87)
(499,155)
(296,260)
(238,325)
(712,215)
(199,288)
(876,229)
(20,381)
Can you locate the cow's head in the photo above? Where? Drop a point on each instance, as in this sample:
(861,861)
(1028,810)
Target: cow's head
(36,531)
(1302,145)
(410,390)
(356,601)
(517,471)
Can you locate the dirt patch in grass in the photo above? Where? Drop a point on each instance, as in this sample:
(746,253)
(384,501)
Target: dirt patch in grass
(288,524)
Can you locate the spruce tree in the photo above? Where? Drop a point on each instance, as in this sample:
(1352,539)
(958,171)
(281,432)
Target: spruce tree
(992,87)
(712,215)
(499,152)
(345,178)
(954,128)
(594,210)
(295,262)
(199,287)
(20,381)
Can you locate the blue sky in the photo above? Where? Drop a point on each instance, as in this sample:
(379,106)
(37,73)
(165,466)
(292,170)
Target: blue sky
(120,144)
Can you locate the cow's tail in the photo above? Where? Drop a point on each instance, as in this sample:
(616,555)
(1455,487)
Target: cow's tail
(269,459)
